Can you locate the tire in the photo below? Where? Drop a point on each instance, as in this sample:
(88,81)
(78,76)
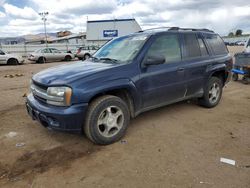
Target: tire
(246,80)
(212,93)
(12,61)
(107,120)
(86,56)
(67,58)
(41,60)
(235,77)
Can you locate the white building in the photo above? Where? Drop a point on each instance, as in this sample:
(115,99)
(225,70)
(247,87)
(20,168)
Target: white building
(101,31)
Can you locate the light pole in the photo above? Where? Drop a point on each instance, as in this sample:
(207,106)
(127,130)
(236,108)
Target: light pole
(44,18)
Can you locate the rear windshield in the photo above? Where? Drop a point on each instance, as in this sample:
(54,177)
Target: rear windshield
(216,44)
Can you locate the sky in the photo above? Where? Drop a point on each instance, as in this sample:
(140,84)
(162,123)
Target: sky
(20,17)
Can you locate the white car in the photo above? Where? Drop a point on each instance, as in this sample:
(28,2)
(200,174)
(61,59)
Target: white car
(10,59)
(85,52)
(50,54)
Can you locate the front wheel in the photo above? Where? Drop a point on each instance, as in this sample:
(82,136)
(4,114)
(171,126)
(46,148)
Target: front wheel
(107,120)
(212,93)
(67,58)
(41,60)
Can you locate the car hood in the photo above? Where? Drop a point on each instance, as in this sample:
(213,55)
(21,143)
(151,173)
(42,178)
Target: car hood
(65,74)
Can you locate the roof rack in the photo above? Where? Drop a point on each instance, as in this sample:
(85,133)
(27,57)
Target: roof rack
(177,29)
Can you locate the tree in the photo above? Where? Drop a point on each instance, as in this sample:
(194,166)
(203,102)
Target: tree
(231,34)
(238,32)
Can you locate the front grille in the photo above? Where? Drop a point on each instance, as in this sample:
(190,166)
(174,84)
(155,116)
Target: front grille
(39,91)
(39,98)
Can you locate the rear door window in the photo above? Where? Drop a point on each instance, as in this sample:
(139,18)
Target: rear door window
(192,46)
(167,46)
(216,44)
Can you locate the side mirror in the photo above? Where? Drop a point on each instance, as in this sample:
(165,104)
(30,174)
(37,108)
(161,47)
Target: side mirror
(154,60)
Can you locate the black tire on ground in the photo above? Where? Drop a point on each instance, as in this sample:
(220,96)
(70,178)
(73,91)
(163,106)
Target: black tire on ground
(41,60)
(246,80)
(67,58)
(86,56)
(212,93)
(107,120)
(235,77)
(12,61)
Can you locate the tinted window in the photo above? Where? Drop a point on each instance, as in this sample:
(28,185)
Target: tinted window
(192,46)
(168,46)
(202,46)
(216,43)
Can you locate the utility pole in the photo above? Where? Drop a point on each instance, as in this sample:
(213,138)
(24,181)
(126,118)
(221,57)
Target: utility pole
(44,18)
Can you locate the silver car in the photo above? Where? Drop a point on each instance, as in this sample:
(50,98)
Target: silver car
(49,54)
(85,52)
(10,59)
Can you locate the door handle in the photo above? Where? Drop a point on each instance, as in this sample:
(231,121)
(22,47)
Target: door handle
(181,69)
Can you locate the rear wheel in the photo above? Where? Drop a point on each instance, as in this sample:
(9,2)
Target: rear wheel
(235,77)
(12,61)
(212,93)
(107,120)
(41,60)
(86,56)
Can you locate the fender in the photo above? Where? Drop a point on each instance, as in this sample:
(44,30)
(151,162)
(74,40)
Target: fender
(96,89)
(211,69)
(216,67)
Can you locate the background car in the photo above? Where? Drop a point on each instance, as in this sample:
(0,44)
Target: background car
(50,54)
(240,43)
(85,52)
(10,59)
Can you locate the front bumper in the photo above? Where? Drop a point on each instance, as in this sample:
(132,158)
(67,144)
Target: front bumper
(58,118)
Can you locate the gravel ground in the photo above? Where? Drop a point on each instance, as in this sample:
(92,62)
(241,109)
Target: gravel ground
(175,146)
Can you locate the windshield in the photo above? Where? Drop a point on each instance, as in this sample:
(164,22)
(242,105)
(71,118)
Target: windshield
(121,49)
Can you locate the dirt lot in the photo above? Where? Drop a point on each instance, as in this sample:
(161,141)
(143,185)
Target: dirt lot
(175,146)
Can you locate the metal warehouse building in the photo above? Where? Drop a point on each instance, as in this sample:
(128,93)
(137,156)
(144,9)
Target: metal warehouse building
(100,31)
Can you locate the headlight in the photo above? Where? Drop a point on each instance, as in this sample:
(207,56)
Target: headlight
(59,96)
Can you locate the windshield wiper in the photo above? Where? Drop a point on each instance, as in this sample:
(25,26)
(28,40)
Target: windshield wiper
(109,59)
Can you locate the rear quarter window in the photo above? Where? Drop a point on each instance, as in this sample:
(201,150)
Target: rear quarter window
(216,44)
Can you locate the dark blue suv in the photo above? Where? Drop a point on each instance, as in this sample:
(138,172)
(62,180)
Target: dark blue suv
(130,75)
